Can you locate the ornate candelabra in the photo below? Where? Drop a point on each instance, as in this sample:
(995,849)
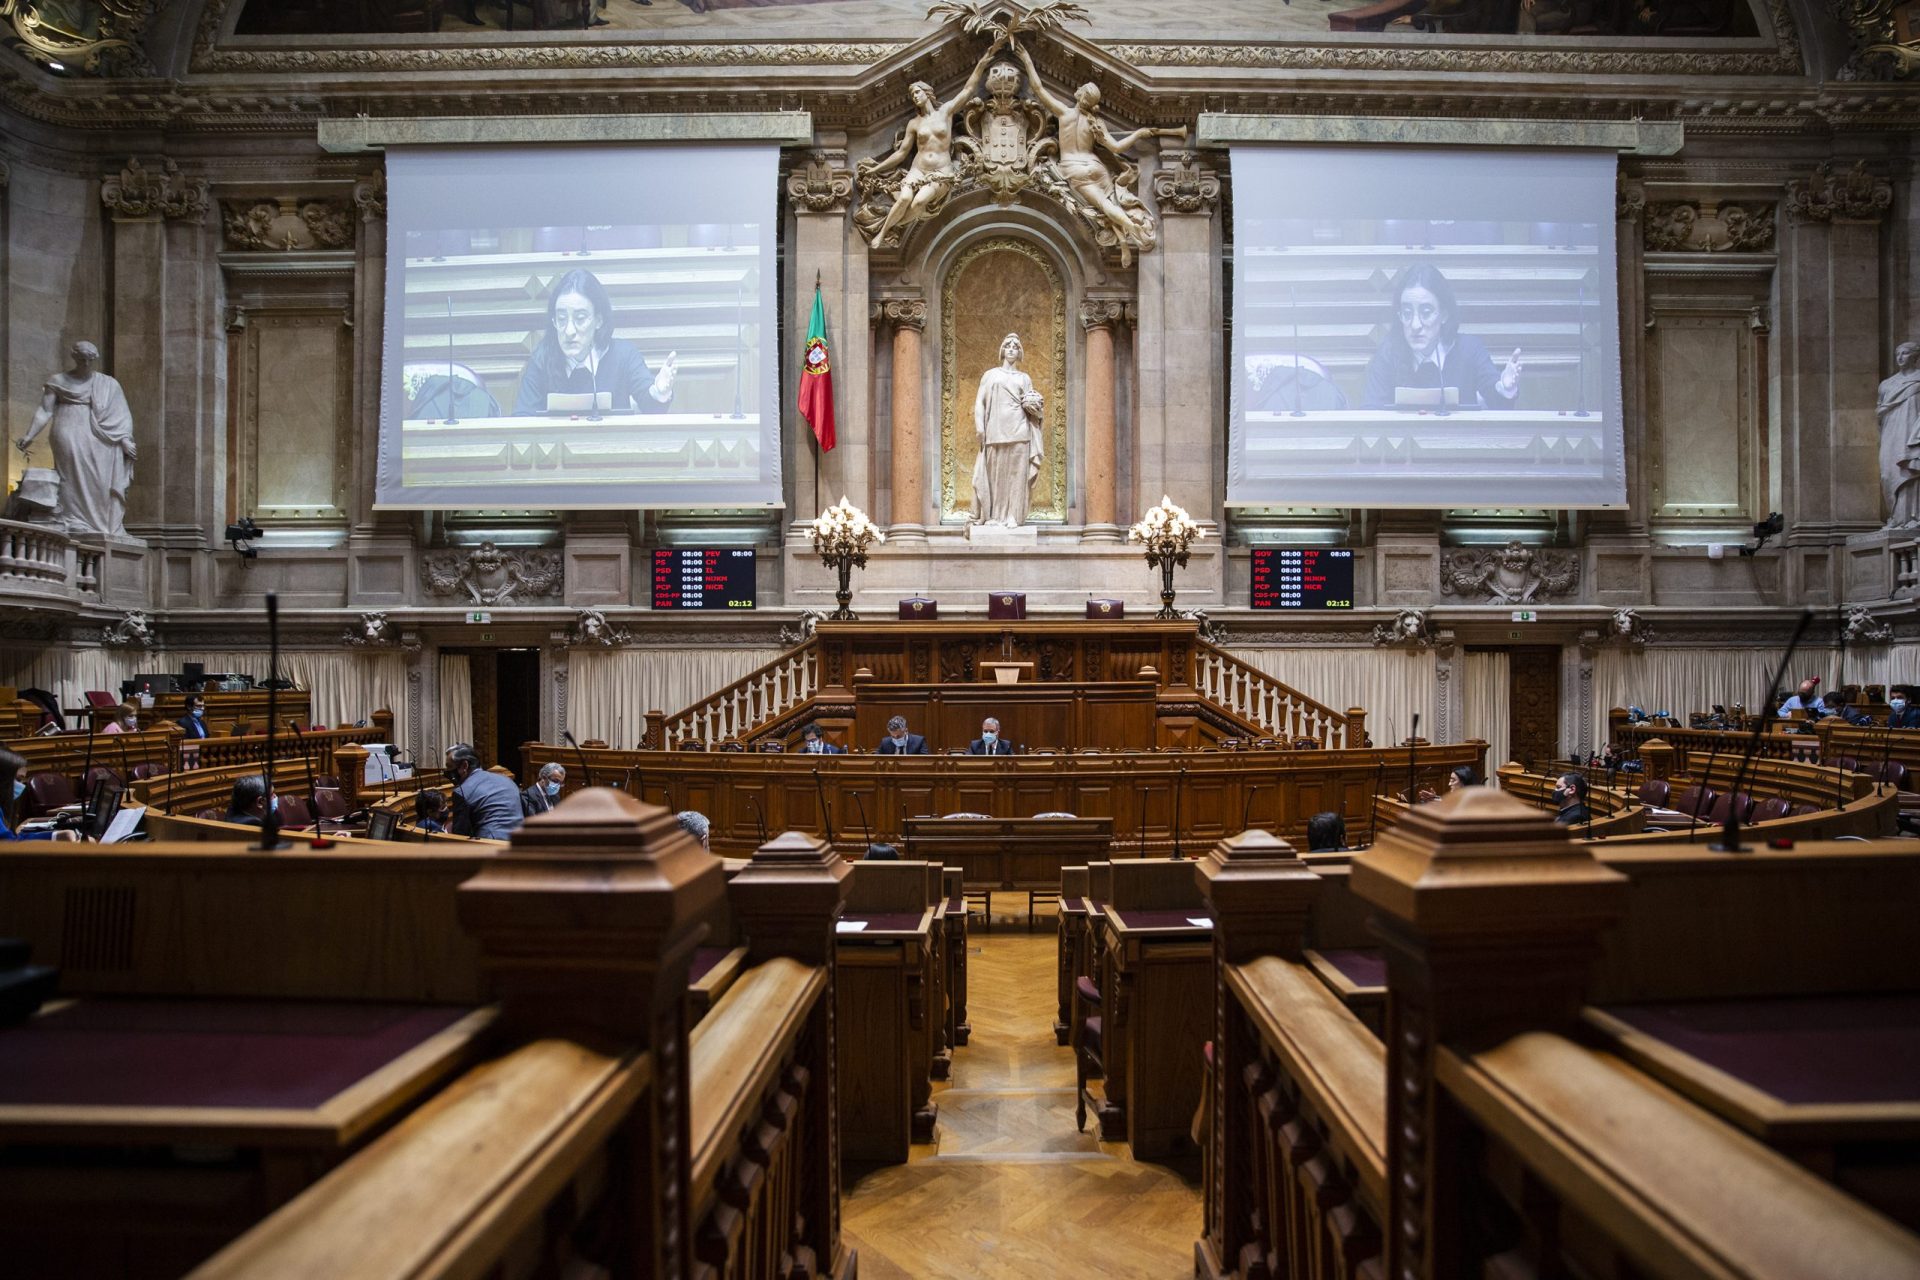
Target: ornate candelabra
(841,535)
(1167,532)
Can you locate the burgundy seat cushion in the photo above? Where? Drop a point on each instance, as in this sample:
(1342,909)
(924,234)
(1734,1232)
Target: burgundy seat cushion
(1088,992)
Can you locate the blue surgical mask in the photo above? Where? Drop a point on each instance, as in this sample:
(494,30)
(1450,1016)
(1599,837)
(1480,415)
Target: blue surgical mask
(1898,704)
(197,712)
(276,804)
(19,788)
(989,736)
(553,788)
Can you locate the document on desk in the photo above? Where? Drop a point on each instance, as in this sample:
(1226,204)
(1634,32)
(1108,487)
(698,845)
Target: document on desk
(124,824)
(1200,922)
(849,926)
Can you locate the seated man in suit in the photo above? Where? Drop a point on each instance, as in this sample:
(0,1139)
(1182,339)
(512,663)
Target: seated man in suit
(1902,714)
(990,743)
(539,797)
(485,804)
(1834,703)
(194,723)
(899,742)
(1570,793)
(814,743)
(430,812)
(250,803)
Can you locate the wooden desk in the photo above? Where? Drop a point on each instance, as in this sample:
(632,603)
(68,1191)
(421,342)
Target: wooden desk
(1009,853)
(1157,999)
(224,710)
(144,1134)
(885,1065)
(1118,715)
(954,918)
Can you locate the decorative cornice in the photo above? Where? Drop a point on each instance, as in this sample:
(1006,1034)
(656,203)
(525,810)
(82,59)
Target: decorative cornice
(1102,313)
(1701,226)
(1185,185)
(370,196)
(821,184)
(140,193)
(1856,195)
(904,313)
(287,224)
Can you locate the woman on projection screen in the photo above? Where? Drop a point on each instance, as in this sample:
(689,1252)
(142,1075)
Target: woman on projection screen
(1425,349)
(578,355)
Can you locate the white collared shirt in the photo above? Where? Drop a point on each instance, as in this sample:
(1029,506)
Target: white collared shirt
(591,364)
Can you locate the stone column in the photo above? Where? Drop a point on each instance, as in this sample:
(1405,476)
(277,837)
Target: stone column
(1099,316)
(825,248)
(908,316)
(1182,428)
(1830,344)
(160,322)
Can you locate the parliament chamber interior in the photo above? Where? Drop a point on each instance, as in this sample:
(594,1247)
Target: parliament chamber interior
(771,639)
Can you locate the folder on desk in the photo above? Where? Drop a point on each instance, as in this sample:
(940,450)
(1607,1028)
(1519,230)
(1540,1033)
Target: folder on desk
(565,402)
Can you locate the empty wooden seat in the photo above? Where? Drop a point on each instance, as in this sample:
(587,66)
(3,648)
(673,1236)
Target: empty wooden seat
(1655,791)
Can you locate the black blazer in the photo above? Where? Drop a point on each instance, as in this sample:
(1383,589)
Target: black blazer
(534,799)
(978,747)
(826,749)
(193,728)
(1574,815)
(1905,719)
(622,371)
(915,746)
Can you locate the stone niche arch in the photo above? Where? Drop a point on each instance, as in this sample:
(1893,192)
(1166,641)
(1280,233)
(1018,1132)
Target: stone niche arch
(971,305)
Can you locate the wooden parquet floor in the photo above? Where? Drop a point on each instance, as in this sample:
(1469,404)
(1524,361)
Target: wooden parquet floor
(1009,1188)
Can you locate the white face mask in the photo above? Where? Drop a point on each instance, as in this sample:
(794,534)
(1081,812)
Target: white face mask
(1898,704)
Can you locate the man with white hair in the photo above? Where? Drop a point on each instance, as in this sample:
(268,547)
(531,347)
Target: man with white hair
(545,791)
(990,743)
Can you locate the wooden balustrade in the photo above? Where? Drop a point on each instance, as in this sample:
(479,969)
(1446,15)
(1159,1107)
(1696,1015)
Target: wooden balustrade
(1276,709)
(318,745)
(224,710)
(761,702)
(74,753)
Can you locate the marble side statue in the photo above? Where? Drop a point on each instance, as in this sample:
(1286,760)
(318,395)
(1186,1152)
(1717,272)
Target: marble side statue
(1899,410)
(1081,133)
(92,445)
(1007,418)
(928,139)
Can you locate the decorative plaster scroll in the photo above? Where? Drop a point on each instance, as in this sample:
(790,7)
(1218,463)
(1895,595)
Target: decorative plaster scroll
(1884,46)
(370,196)
(904,313)
(489,575)
(1103,313)
(1855,195)
(1629,201)
(1706,227)
(140,192)
(98,37)
(287,224)
(1513,574)
(822,184)
(1184,185)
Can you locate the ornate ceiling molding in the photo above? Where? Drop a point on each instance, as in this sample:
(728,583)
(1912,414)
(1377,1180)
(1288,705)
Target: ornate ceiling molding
(93,37)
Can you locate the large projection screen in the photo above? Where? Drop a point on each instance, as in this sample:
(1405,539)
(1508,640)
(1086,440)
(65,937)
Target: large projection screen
(1386,301)
(580,327)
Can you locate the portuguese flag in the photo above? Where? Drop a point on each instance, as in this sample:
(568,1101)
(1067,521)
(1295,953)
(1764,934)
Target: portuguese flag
(816,376)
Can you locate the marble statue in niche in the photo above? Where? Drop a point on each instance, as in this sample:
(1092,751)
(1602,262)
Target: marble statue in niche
(1008,416)
(1899,410)
(930,175)
(93,449)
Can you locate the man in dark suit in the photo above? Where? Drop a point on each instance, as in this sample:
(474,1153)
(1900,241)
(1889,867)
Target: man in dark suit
(990,743)
(545,791)
(486,805)
(1570,793)
(899,742)
(814,743)
(1901,713)
(194,723)
(250,802)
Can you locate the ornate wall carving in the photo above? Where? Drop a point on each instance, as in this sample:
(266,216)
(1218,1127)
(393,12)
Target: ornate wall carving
(97,37)
(286,224)
(140,192)
(1184,185)
(1852,195)
(1702,226)
(1884,47)
(488,574)
(821,183)
(1513,574)
(997,286)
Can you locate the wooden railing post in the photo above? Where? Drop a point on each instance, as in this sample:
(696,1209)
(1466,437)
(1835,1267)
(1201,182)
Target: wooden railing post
(587,924)
(1658,756)
(350,766)
(1491,919)
(1356,728)
(1260,895)
(786,901)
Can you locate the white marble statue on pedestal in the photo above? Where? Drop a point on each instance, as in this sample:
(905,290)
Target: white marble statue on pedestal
(1008,416)
(92,445)
(1899,410)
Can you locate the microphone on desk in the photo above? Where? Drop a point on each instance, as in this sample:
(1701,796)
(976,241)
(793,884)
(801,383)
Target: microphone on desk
(270,820)
(1413,749)
(1178,779)
(1700,789)
(586,770)
(1730,831)
(862,809)
(826,815)
(1246,805)
(320,840)
(759,818)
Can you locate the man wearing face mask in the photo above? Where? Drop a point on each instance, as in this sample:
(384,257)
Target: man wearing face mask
(899,742)
(990,743)
(1902,714)
(1570,793)
(194,723)
(486,805)
(814,743)
(251,803)
(545,791)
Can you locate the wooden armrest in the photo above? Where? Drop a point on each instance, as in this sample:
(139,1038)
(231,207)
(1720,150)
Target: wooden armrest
(1340,1066)
(1682,1191)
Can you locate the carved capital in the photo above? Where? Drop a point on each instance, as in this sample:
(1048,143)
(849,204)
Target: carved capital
(822,183)
(1629,201)
(1103,313)
(139,192)
(286,224)
(1701,226)
(370,196)
(1184,185)
(904,313)
(1854,195)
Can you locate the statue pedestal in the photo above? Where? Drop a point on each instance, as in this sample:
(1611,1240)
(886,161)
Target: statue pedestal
(996,535)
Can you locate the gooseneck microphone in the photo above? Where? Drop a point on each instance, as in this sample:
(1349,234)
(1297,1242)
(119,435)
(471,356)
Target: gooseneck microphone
(320,840)
(586,770)
(1700,790)
(270,820)
(826,814)
(1730,832)
(759,818)
(861,808)
(86,769)
(1413,749)
(1246,806)
(1179,780)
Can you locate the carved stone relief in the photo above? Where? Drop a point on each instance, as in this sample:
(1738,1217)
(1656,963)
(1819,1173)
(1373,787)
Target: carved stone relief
(1863,628)
(1410,629)
(1701,226)
(590,627)
(140,192)
(1886,44)
(822,183)
(1184,185)
(1513,574)
(488,574)
(370,196)
(135,630)
(1852,195)
(286,224)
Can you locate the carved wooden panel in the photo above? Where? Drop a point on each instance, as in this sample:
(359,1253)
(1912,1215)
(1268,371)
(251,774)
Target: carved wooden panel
(1533,716)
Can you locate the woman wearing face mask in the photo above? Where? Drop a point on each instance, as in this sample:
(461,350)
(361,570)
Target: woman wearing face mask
(545,791)
(1901,713)
(126,719)
(578,355)
(12,766)
(1425,348)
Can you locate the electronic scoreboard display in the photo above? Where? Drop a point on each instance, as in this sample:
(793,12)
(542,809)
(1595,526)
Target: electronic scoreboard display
(1302,578)
(702,578)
